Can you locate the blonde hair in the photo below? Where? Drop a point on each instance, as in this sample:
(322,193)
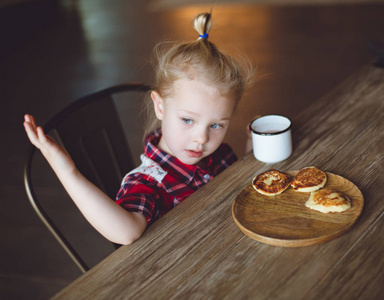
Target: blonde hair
(199,59)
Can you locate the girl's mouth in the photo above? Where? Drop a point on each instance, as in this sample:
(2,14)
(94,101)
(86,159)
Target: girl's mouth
(193,153)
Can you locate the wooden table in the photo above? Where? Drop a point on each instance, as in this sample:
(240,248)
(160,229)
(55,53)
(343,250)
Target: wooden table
(197,252)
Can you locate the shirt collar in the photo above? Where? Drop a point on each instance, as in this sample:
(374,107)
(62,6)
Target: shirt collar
(168,162)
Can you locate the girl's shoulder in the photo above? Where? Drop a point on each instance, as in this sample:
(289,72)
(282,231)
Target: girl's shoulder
(225,152)
(222,158)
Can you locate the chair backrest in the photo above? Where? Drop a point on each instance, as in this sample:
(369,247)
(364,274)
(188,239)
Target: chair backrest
(92,132)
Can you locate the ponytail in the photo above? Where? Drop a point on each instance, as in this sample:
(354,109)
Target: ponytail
(199,60)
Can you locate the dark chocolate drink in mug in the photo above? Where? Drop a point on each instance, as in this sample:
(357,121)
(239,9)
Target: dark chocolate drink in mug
(271,138)
(271,131)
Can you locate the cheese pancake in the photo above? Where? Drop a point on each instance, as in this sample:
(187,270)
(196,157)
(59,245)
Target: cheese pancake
(326,200)
(271,183)
(309,180)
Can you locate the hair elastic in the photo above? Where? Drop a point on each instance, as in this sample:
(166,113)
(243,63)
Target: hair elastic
(204,36)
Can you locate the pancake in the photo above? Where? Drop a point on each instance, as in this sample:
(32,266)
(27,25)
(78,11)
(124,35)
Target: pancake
(326,200)
(309,180)
(271,182)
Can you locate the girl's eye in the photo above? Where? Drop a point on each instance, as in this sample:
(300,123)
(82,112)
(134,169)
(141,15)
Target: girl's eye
(187,121)
(216,126)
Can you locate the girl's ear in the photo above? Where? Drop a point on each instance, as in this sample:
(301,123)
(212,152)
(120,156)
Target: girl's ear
(158,104)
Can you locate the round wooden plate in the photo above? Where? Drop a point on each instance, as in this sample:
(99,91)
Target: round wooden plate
(285,221)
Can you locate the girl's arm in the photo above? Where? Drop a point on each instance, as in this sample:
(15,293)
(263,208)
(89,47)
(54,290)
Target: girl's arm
(105,215)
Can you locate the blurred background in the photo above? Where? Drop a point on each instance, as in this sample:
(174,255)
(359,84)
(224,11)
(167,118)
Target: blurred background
(55,51)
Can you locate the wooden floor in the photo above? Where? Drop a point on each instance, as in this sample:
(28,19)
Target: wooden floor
(301,53)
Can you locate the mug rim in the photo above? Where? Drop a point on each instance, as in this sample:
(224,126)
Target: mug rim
(270,133)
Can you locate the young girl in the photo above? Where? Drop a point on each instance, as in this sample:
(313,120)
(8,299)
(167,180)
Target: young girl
(196,91)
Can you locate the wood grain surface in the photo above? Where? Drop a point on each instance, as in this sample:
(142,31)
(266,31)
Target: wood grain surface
(196,251)
(284,220)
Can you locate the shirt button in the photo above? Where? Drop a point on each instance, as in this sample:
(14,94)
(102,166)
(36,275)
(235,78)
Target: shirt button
(206,176)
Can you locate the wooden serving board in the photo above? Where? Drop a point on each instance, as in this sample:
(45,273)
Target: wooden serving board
(285,221)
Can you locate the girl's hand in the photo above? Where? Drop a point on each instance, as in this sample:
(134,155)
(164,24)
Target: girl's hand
(57,157)
(248,144)
(104,214)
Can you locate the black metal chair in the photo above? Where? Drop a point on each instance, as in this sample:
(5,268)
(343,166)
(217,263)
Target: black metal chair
(91,131)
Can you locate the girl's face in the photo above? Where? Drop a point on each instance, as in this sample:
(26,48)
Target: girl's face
(194,120)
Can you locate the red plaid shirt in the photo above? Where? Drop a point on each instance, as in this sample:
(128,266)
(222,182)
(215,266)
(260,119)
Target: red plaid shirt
(162,181)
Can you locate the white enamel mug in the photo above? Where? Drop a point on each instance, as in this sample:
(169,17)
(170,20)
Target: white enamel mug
(271,138)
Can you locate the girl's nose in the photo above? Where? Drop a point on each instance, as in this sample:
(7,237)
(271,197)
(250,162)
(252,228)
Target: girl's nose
(201,136)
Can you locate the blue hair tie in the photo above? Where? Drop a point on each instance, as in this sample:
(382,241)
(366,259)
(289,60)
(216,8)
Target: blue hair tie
(204,36)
